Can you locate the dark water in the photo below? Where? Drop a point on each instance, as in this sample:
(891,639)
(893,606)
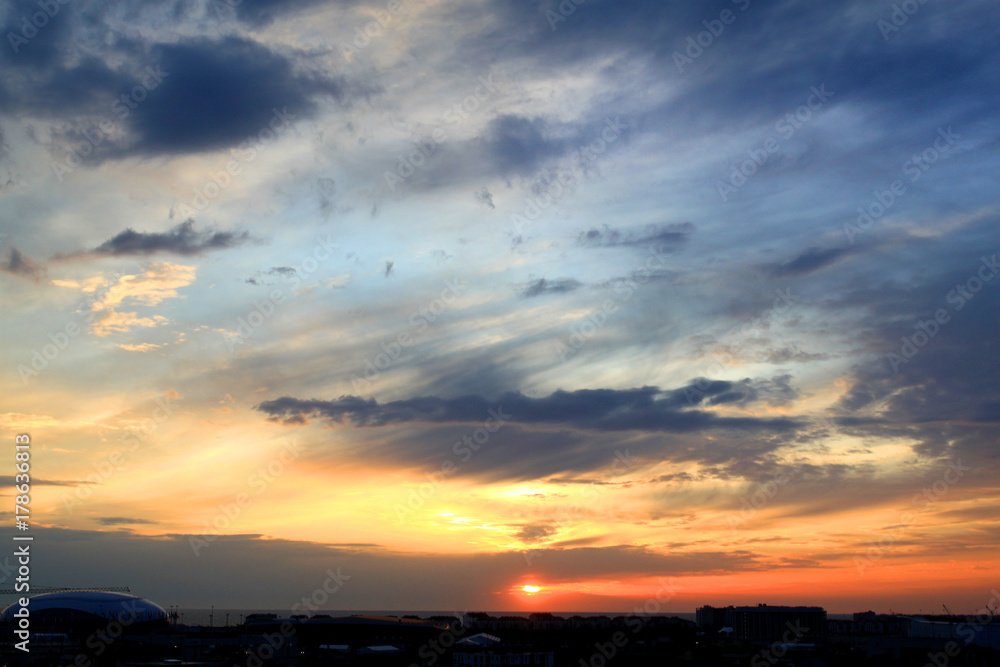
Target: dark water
(235,616)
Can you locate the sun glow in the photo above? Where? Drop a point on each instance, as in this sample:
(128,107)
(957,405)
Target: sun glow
(528,588)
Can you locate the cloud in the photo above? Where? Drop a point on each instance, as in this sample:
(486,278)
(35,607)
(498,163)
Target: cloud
(810,260)
(123,521)
(221,92)
(160,281)
(516,144)
(776,391)
(543,286)
(661,237)
(180,240)
(484,197)
(9,480)
(45,48)
(418,580)
(22,266)
(156,284)
(261,13)
(536,532)
(139,347)
(283,271)
(647,408)
(199,93)
(940,395)
(110,321)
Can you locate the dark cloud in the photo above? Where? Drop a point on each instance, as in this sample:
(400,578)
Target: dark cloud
(180,240)
(261,13)
(810,260)
(219,93)
(45,79)
(776,391)
(938,390)
(789,354)
(8,480)
(123,521)
(520,145)
(543,286)
(535,532)
(647,408)
(545,153)
(167,567)
(484,197)
(327,194)
(46,45)
(22,266)
(578,542)
(283,271)
(661,237)
(193,95)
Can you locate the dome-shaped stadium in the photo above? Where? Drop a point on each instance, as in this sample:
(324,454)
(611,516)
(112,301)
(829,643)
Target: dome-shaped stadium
(89,607)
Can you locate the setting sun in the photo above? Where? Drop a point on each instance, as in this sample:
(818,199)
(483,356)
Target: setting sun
(528,588)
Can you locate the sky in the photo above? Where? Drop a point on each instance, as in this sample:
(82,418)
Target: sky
(410,304)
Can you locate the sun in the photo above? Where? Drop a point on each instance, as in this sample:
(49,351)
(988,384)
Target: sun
(528,588)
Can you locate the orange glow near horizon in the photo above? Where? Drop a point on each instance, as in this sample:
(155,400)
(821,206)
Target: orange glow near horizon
(718,547)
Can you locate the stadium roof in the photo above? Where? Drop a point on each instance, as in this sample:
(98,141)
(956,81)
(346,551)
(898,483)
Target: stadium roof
(110,606)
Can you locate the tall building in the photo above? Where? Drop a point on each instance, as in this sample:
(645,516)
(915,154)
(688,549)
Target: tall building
(714,618)
(790,625)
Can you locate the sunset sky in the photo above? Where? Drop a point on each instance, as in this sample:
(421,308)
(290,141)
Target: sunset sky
(643,303)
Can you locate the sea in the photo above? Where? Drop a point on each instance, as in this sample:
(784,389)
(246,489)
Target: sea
(221,617)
